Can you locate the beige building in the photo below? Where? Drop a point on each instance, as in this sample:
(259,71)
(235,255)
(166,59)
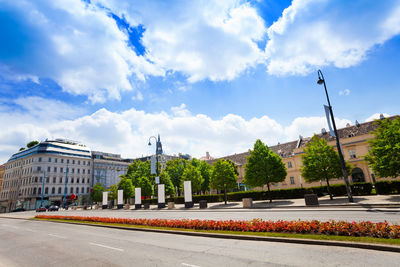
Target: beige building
(354,142)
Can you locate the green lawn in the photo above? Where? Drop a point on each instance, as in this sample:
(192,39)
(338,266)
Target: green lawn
(269,234)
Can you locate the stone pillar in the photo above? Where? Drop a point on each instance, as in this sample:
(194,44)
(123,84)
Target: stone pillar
(120,199)
(161,196)
(105,200)
(138,198)
(187,190)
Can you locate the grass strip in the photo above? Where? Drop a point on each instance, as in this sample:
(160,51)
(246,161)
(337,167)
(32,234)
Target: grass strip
(363,239)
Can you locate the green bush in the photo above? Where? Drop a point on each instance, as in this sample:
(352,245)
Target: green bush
(360,189)
(387,187)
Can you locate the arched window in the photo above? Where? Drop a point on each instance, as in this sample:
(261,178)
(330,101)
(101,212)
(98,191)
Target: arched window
(34,190)
(39,190)
(59,190)
(72,190)
(357,175)
(53,190)
(46,190)
(77,190)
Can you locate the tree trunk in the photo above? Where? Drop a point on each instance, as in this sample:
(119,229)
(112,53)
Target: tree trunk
(269,194)
(225,198)
(329,189)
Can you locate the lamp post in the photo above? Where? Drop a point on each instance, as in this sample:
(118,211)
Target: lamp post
(158,152)
(321,80)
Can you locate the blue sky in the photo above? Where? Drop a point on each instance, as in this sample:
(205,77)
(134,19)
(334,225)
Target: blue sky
(207,75)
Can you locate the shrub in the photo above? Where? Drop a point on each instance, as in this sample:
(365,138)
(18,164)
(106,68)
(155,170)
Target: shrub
(387,187)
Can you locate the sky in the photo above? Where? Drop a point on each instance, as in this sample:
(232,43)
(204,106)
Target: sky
(212,75)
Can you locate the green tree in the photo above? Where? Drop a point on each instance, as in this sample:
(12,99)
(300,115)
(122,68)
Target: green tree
(223,177)
(31,144)
(169,187)
(205,170)
(112,192)
(384,154)
(320,162)
(136,170)
(235,167)
(126,185)
(146,187)
(98,190)
(264,166)
(22,148)
(175,169)
(192,174)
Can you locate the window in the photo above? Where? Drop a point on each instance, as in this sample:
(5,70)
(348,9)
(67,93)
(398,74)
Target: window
(77,190)
(292,180)
(47,180)
(84,162)
(48,168)
(72,190)
(88,171)
(352,154)
(72,170)
(39,168)
(39,190)
(61,169)
(289,164)
(83,180)
(82,190)
(54,180)
(88,180)
(83,171)
(53,190)
(72,180)
(79,162)
(34,191)
(60,181)
(77,180)
(40,179)
(46,191)
(49,159)
(40,160)
(59,190)
(78,170)
(73,161)
(88,163)
(87,190)
(62,160)
(67,161)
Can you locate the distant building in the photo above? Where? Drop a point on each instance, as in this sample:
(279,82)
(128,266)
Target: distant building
(207,157)
(2,170)
(43,170)
(107,168)
(354,142)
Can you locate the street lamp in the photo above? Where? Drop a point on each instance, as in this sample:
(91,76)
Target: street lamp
(321,80)
(158,149)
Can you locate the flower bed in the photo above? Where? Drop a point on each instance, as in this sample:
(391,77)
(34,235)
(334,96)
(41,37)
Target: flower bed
(341,228)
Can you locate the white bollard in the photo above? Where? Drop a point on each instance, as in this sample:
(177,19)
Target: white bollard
(161,196)
(105,200)
(187,190)
(138,198)
(120,199)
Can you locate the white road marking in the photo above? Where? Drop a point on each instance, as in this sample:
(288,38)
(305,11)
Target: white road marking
(104,246)
(190,265)
(59,236)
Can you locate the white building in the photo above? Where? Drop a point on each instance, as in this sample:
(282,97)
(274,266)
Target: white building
(44,168)
(107,168)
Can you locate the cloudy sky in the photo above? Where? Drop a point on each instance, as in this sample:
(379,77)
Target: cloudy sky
(206,75)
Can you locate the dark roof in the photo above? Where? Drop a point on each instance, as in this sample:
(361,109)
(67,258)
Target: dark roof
(286,149)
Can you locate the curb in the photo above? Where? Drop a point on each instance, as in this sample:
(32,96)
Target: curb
(369,246)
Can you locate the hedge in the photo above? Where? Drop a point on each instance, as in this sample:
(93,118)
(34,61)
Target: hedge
(290,193)
(387,187)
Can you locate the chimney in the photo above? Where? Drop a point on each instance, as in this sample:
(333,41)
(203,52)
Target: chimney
(348,125)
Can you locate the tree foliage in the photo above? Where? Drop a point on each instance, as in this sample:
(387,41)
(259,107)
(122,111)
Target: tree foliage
(112,192)
(31,144)
(126,185)
(384,154)
(146,186)
(263,167)
(22,148)
(205,171)
(137,170)
(98,190)
(169,187)
(192,174)
(175,169)
(320,162)
(223,176)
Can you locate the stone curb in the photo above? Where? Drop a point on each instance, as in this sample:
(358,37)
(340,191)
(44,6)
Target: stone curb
(370,246)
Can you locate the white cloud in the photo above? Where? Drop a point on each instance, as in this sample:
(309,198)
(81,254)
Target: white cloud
(316,33)
(344,92)
(79,46)
(376,116)
(213,40)
(127,132)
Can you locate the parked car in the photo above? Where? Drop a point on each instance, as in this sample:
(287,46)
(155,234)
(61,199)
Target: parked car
(53,208)
(41,209)
(18,209)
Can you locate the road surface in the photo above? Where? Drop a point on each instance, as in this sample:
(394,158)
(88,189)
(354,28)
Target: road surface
(40,243)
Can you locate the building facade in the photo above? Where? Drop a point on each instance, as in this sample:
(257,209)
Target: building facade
(107,168)
(354,142)
(50,170)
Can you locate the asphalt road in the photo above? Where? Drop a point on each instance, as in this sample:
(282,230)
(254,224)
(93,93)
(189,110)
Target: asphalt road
(39,243)
(346,214)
